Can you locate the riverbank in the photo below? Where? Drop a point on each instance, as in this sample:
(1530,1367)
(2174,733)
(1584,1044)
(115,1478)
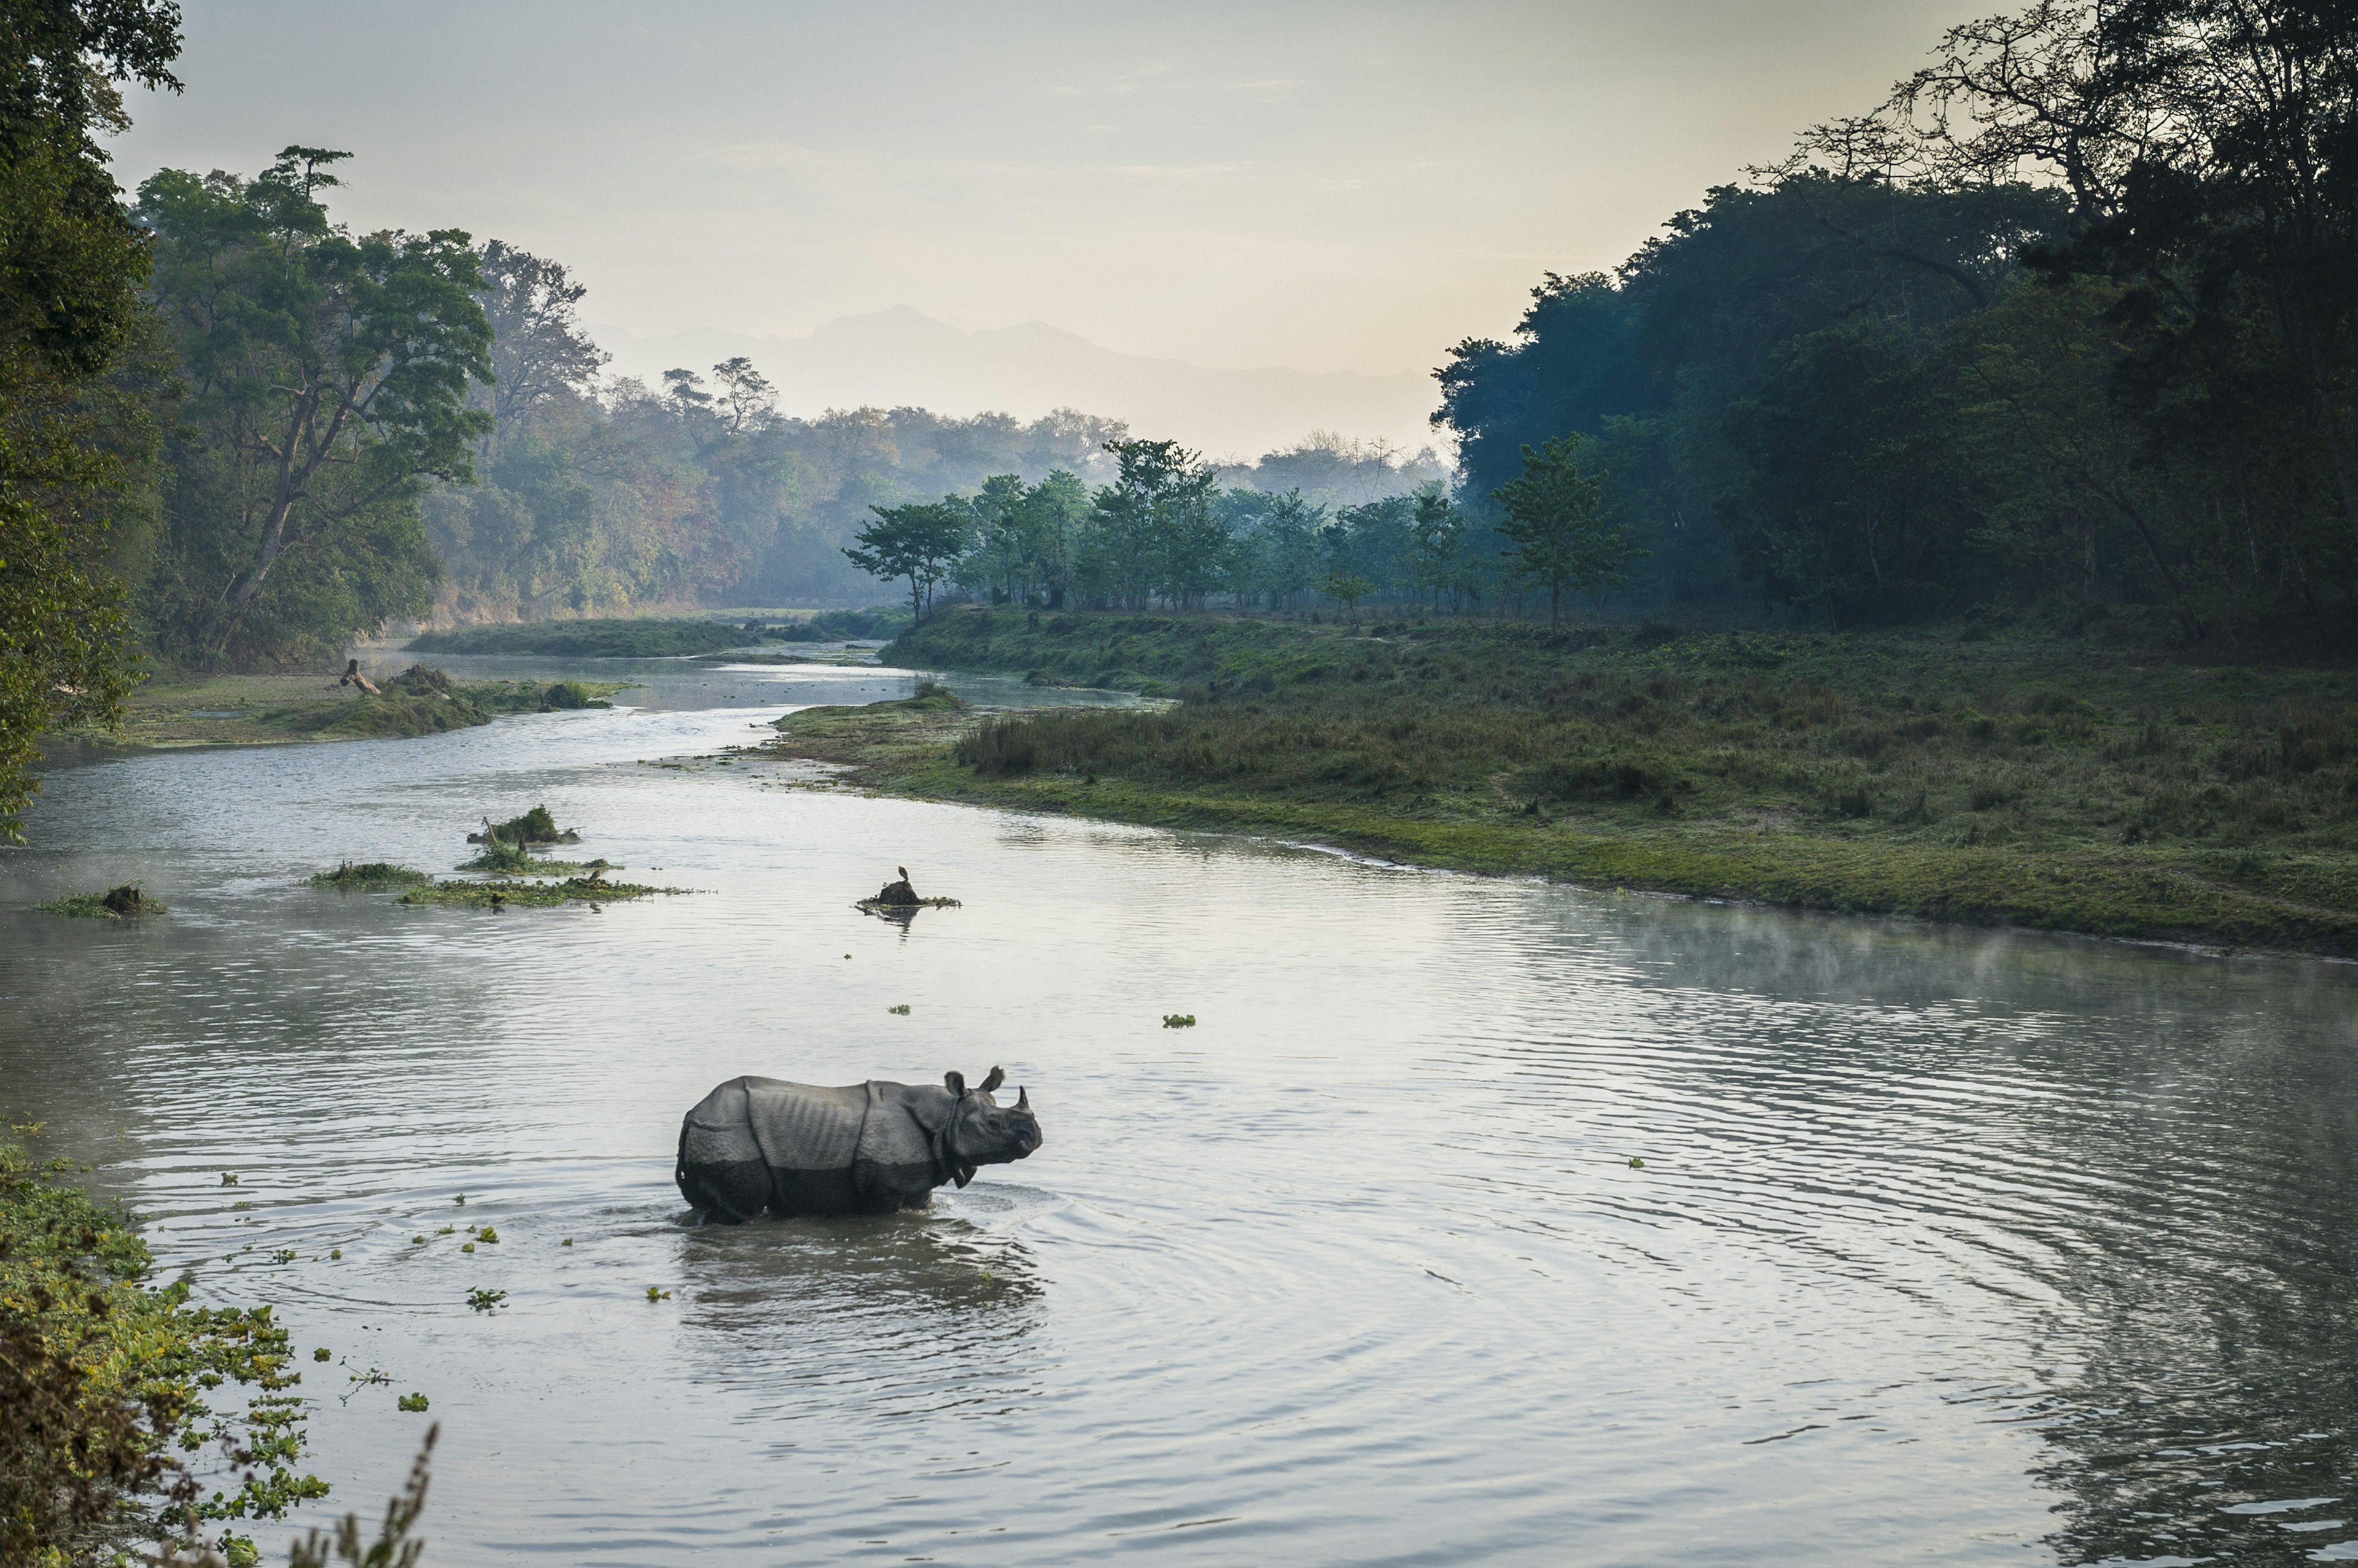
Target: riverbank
(172,713)
(2120,793)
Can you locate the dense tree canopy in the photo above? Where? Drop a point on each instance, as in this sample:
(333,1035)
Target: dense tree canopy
(70,266)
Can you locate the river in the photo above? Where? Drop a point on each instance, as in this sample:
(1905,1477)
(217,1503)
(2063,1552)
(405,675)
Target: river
(1946,1245)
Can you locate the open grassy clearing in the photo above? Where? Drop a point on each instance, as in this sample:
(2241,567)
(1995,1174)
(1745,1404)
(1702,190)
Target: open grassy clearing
(2039,783)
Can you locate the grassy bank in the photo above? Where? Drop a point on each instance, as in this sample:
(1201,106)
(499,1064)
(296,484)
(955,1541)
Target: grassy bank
(2048,785)
(652,639)
(272,710)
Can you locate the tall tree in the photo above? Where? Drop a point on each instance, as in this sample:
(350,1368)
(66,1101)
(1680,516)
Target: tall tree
(1438,530)
(1555,519)
(921,543)
(540,351)
(331,371)
(70,267)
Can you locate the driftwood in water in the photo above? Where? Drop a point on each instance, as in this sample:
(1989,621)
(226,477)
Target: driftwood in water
(352,676)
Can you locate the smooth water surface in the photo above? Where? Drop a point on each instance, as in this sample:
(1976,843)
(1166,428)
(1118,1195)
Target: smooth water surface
(1946,1246)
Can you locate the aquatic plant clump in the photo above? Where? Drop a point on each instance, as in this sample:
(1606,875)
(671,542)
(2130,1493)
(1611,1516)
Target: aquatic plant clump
(124,903)
(367,876)
(512,894)
(105,1378)
(534,827)
(900,906)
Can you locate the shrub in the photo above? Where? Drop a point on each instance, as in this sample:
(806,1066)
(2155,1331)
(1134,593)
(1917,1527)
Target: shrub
(103,1377)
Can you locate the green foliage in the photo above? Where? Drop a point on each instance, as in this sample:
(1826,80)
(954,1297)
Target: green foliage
(70,442)
(1993,343)
(590,639)
(1555,521)
(920,542)
(530,896)
(106,1378)
(368,876)
(327,388)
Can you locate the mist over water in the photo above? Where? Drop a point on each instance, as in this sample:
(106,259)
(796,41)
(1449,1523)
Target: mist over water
(1946,1246)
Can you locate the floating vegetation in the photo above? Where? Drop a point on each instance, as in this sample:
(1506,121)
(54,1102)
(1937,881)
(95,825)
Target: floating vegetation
(411,1402)
(889,909)
(485,1300)
(322,1354)
(228,1178)
(487,1234)
(1636,1163)
(566,1242)
(591,889)
(335,1254)
(657,1294)
(368,876)
(124,903)
(467,1247)
(418,1239)
(535,827)
(283,1255)
(1178,1021)
(445,1231)
(902,1010)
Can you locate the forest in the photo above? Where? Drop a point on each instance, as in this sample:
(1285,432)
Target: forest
(2066,328)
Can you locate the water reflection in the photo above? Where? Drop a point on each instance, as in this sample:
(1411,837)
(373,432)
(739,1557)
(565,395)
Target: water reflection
(923,1315)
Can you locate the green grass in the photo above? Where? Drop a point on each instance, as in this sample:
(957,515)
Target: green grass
(2049,784)
(368,877)
(268,710)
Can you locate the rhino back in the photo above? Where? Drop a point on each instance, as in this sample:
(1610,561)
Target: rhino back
(799,1127)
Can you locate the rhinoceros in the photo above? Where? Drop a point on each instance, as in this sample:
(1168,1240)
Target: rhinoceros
(871,1148)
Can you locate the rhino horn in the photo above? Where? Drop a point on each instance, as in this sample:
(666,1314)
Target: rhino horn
(1024,1099)
(955,1083)
(998,1076)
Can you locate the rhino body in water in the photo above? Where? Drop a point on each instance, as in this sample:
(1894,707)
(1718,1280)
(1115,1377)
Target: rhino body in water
(794,1149)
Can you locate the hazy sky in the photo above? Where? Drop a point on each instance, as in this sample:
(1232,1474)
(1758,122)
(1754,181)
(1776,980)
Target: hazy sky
(1326,186)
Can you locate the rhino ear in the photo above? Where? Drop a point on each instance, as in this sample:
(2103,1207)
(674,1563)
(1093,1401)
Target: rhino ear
(998,1076)
(956,1084)
(1024,1099)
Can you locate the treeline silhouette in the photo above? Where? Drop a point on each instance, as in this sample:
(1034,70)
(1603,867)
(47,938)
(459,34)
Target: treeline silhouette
(2066,328)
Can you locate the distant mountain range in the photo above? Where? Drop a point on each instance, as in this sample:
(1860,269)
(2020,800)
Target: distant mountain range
(900,356)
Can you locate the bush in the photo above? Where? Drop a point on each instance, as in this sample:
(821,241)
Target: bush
(101,1375)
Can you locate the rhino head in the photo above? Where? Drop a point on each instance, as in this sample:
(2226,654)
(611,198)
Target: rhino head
(982,1131)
